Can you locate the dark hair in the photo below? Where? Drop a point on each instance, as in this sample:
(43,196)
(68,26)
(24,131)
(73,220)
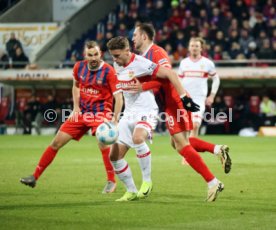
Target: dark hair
(91,44)
(118,43)
(148,29)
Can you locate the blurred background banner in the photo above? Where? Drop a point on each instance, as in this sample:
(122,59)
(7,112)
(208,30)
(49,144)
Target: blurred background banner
(31,35)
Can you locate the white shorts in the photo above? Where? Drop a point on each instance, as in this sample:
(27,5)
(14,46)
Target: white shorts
(198,116)
(127,124)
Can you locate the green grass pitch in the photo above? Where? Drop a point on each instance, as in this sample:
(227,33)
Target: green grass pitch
(68,194)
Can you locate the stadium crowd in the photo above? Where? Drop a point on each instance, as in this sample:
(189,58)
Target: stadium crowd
(233,30)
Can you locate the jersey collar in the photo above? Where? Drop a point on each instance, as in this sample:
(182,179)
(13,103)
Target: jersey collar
(147,50)
(131,59)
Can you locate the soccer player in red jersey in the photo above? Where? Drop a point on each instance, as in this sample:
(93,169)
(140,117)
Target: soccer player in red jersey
(94,86)
(143,37)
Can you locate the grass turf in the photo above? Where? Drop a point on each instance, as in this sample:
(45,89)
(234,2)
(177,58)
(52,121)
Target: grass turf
(68,194)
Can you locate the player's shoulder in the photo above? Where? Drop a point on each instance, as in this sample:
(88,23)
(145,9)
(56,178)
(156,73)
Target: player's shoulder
(80,63)
(207,60)
(185,60)
(158,49)
(108,66)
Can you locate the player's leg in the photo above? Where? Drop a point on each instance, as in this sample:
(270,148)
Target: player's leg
(123,171)
(47,157)
(120,165)
(111,182)
(198,164)
(143,155)
(69,130)
(221,151)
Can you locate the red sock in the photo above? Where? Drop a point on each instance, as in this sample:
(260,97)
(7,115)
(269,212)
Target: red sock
(201,146)
(196,162)
(107,164)
(46,159)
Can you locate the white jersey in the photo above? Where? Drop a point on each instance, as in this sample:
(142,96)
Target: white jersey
(138,67)
(194,75)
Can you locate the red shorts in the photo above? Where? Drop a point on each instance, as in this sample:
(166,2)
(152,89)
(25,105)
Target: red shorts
(178,119)
(81,123)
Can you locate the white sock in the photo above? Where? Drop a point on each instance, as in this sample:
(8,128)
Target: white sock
(124,173)
(144,158)
(217,149)
(212,183)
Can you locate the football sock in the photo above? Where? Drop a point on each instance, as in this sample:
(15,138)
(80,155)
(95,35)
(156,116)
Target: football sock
(46,159)
(144,158)
(196,162)
(201,146)
(217,149)
(107,164)
(124,173)
(212,183)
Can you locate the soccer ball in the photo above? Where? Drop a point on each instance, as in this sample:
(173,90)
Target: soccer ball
(107,133)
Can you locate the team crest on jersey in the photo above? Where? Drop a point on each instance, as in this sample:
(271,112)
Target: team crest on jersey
(202,66)
(131,74)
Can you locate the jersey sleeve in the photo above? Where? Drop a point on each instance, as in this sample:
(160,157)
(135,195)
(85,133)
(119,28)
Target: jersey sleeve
(75,71)
(146,67)
(211,68)
(113,81)
(180,71)
(161,58)
(151,85)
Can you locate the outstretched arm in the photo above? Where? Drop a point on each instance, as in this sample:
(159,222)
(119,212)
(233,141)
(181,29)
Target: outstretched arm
(188,103)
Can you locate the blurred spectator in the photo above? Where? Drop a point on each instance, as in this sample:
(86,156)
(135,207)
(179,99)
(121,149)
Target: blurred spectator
(69,63)
(12,44)
(20,60)
(4,60)
(265,51)
(268,111)
(245,39)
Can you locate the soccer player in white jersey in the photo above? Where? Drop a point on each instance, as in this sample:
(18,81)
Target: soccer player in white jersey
(194,72)
(178,111)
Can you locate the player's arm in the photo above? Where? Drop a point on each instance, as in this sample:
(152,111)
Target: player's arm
(214,89)
(118,105)
(139,87)
(188,103)
(76,96)
(76,100)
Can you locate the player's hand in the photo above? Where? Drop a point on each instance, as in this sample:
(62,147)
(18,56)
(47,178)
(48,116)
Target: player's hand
(135,86)
(209,100)
(75,113)
(189,104)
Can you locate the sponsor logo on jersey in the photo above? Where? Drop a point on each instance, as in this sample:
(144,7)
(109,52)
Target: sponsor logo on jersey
(90,91)
(194,74)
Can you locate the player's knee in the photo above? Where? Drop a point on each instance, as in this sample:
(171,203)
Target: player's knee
(56,145)
(138,139)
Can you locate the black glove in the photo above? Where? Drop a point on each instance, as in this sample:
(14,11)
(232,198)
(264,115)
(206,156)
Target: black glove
(189,104)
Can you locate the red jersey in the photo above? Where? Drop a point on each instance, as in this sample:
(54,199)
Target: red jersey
(159,56)
(171,98)
(97,87)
